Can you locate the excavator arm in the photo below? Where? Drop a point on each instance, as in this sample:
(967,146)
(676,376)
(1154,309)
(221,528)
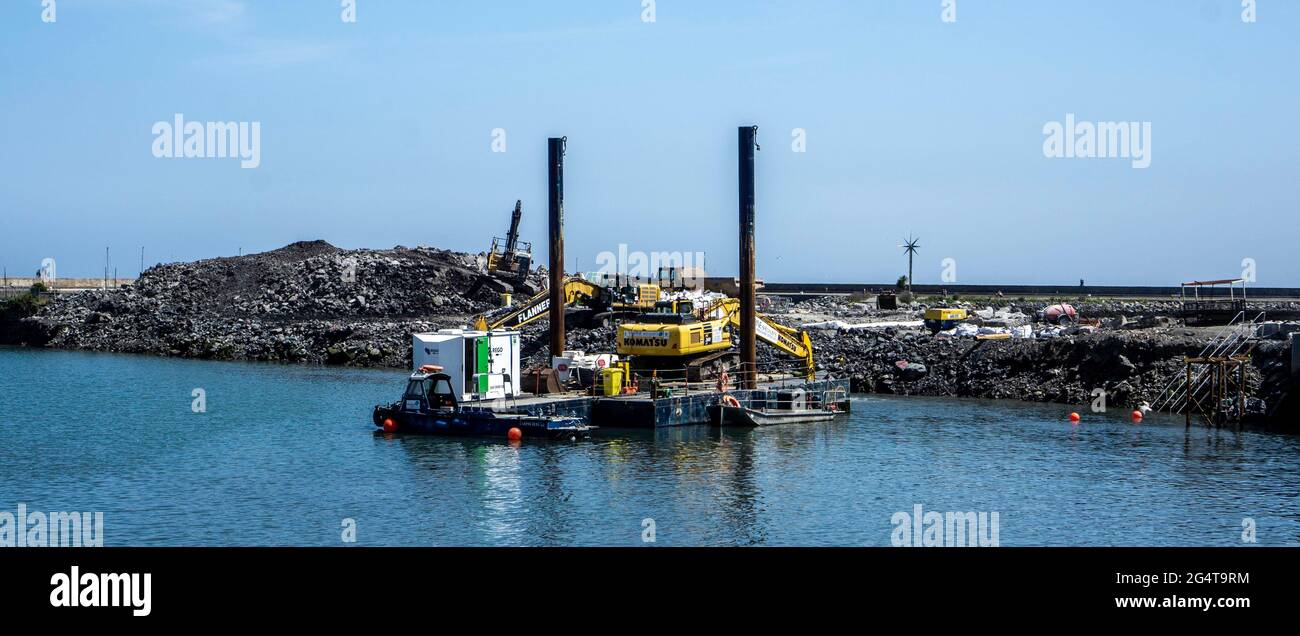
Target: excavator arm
(512,237)
(793,342)
(574,290)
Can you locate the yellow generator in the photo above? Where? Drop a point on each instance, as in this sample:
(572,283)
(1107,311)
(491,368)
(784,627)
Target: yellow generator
(942,318)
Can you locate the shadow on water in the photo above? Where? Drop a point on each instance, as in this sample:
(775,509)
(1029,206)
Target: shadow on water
(711,472)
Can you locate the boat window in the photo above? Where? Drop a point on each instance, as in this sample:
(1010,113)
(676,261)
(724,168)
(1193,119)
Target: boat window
(440,394)
(414,390)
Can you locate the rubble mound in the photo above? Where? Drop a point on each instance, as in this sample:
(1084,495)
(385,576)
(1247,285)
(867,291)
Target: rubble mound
(306,302)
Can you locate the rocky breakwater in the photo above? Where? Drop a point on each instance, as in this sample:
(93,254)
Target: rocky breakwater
(1132,367)
(306,302)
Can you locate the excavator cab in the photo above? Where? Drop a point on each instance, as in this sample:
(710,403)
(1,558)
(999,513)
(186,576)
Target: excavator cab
(677,312)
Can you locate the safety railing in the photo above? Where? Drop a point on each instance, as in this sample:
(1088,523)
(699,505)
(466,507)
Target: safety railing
(1228,342)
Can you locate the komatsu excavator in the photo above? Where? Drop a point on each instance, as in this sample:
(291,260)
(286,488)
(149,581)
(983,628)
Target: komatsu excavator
(700,342)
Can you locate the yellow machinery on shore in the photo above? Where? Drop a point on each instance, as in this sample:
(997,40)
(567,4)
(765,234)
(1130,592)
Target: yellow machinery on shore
(510,259)
(677,338)
(941,318)
(599,304)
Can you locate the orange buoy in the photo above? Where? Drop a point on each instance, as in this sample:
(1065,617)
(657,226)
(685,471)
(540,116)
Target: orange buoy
(1137,416)
(730,400)
(514,434)
(1074,418)
(389,425)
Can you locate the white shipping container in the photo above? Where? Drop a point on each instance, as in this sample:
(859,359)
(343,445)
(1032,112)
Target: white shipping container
(446,350)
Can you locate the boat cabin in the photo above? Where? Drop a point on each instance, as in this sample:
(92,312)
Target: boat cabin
(429,391)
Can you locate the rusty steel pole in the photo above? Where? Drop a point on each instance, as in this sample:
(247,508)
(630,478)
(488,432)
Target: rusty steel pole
(555,207)
(748,347)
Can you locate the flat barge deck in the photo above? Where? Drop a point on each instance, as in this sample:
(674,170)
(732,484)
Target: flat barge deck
(640,410)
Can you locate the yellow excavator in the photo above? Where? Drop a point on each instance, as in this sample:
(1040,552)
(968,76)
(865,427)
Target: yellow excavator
(676,337)
(510,260)
(595,305)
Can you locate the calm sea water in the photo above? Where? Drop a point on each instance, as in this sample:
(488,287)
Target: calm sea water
(284,454)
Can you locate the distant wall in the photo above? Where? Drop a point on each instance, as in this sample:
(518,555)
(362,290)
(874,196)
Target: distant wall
(25,282)
(1028,290)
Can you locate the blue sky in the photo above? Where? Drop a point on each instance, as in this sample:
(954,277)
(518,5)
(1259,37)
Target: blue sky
(378,133)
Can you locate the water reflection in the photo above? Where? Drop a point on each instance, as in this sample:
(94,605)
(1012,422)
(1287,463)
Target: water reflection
(284,452)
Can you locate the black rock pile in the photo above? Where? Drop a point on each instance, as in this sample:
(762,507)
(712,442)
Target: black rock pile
(306,302)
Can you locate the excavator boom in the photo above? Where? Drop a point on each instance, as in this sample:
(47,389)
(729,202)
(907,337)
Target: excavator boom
(575,289)
(706,338)
(512,237)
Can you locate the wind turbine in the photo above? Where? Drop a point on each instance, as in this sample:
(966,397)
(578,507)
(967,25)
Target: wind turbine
(909,246)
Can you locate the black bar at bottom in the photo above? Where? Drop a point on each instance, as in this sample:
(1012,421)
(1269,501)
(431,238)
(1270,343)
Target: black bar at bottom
(190,582)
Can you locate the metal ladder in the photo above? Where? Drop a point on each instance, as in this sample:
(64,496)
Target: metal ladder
(1228,342)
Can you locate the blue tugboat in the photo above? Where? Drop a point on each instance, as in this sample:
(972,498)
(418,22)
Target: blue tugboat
(429,407)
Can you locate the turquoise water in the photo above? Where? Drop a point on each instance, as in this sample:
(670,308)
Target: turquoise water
(284,454)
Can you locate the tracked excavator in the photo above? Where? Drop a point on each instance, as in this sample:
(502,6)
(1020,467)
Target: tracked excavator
(676,337)
(509,261)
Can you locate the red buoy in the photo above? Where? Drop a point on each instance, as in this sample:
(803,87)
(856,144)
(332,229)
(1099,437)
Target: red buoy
(1137,416)
(1074,418)
(389,425)
(514,434)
